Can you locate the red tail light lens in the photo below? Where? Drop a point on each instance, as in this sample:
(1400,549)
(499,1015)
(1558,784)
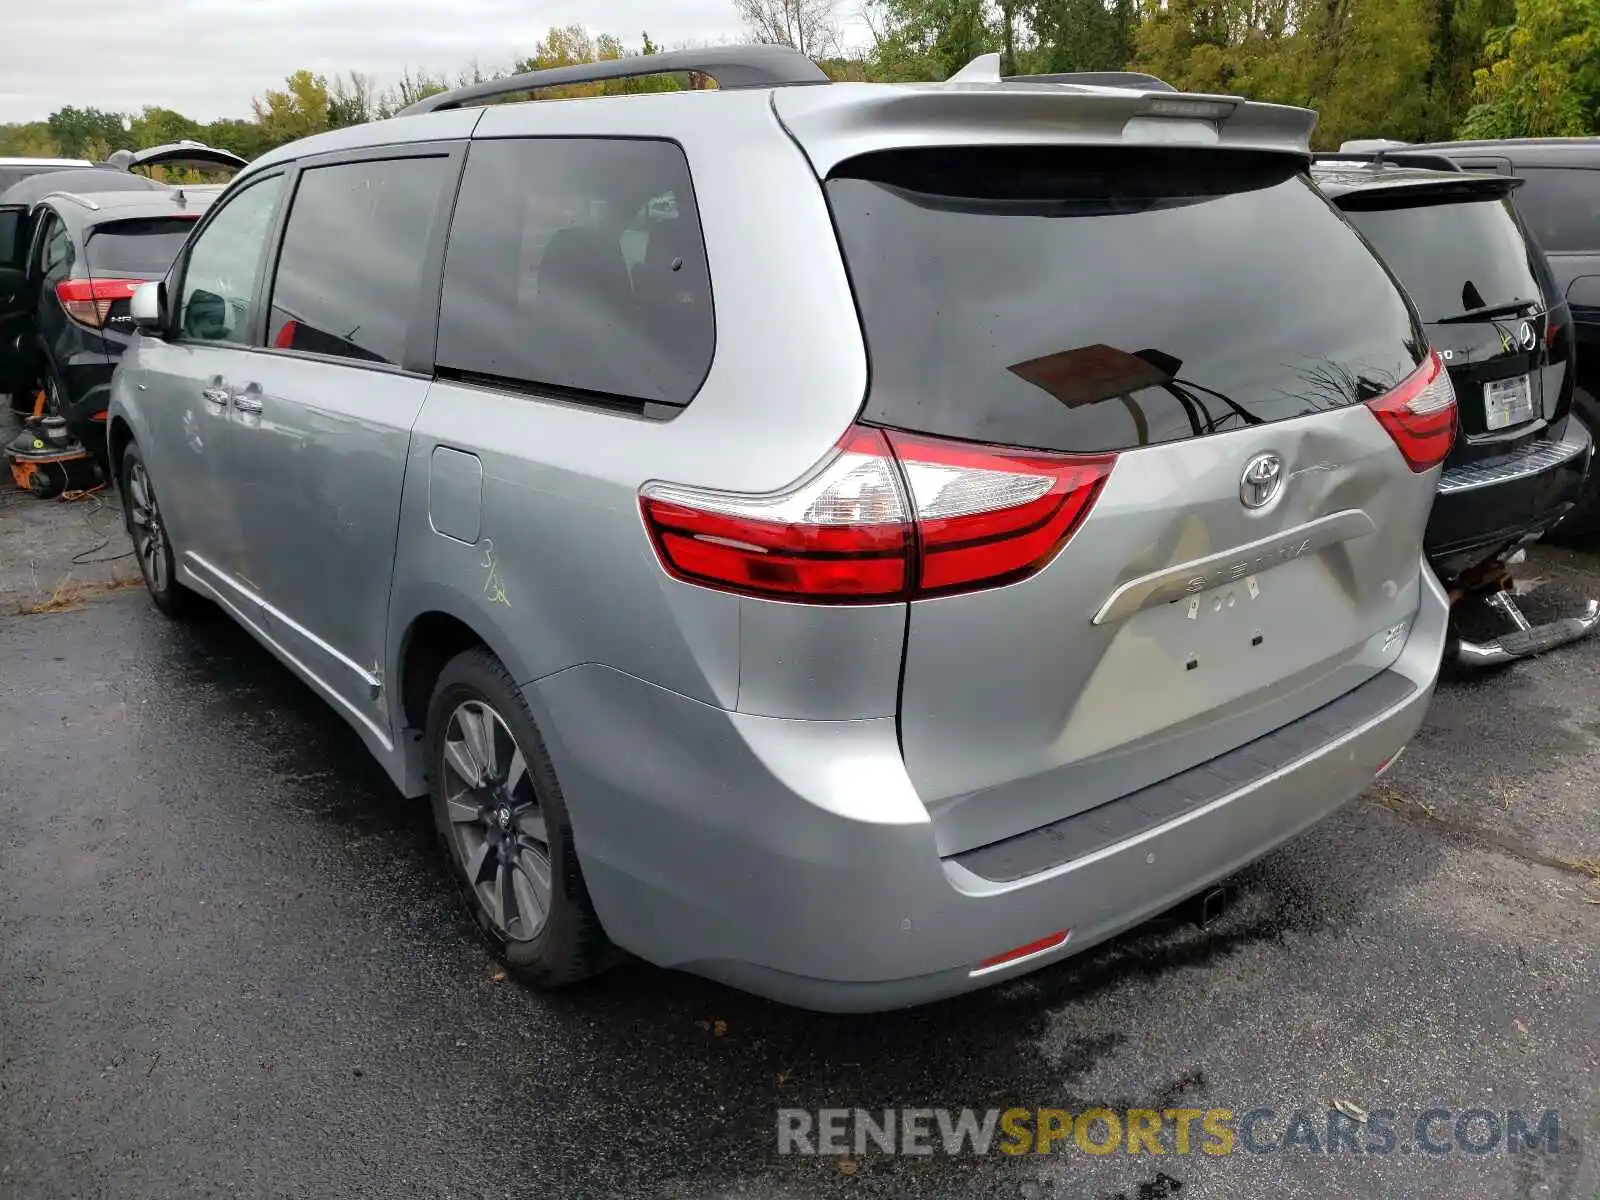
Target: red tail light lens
(888,516)
(89,301)
(987,515)
(1420,414)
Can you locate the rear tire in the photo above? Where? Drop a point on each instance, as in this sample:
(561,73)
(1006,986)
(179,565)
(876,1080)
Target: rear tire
(503,827)
(151,544)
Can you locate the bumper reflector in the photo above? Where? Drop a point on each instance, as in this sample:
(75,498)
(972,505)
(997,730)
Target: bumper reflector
(1021,953)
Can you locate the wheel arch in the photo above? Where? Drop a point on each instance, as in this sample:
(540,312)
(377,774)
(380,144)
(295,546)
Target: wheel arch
(430,626)
(119,436)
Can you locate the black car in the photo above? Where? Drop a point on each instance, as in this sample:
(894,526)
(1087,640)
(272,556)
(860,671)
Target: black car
(69,262)
(1495,313)
(1560,202)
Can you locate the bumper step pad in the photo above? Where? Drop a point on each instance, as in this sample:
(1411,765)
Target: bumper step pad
(1526,639)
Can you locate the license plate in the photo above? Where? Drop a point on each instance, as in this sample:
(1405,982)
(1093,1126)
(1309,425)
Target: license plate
(1507,402)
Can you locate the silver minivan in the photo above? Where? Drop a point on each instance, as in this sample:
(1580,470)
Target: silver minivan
(857,542)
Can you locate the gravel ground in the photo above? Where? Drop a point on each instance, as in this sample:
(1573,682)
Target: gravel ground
(229,964)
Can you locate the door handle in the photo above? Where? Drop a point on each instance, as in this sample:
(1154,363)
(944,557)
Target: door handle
(246,403)
(216,395)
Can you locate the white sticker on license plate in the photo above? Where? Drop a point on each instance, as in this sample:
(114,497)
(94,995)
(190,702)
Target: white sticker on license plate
(1507,402)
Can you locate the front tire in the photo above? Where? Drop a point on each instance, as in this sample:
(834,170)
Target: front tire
(503,826)
(151,544)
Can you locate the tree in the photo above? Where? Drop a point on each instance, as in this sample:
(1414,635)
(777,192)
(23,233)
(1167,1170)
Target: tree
(351,100)
(1080,35)
(407,91)
(930,39)
(298,111)
(1543,73)
(78,131)
(161,127)
(28,140)
(245,138)
(809,26)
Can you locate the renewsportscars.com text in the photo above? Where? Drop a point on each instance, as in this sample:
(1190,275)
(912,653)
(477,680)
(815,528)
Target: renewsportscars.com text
(1172,1131)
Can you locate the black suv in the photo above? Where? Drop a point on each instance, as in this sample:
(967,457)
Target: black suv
(1495,313)
(69,261)
(1560,201)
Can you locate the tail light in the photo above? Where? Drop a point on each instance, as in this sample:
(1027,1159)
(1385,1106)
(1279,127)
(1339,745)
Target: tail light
(1420,414)
(89,301)
(887,516)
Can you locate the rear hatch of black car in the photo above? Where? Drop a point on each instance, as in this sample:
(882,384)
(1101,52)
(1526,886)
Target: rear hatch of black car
(121,255)
(1487,299)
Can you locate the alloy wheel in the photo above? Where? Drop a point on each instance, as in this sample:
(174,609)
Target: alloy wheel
(496,821)
(149,534)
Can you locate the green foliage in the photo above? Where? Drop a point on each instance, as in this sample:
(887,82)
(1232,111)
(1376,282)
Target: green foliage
(930,39)
(299,110)
(1417,70)
(88,133)
(1542,78)
(162,126)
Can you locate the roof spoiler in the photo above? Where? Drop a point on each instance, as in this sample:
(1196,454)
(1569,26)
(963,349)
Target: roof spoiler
(187,153)
(1398,155)
(731,66)
(986,69)
(1122,79)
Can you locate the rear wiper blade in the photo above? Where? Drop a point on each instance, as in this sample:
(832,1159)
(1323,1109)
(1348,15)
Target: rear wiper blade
(1488,310)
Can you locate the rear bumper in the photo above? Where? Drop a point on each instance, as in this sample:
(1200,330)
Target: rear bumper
(1494,501)
(793,858)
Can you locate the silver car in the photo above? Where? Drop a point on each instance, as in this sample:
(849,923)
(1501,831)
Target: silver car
(857,542)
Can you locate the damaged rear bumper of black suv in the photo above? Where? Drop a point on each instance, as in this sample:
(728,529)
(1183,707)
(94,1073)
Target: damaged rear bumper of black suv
(1490,503)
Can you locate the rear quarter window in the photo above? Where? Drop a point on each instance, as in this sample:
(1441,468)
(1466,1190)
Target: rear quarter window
(1085,300)
(1561,207)
(577,267)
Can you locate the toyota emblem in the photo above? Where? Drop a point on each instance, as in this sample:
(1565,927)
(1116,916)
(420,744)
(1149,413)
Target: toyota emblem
(1526,337)
(1262,481)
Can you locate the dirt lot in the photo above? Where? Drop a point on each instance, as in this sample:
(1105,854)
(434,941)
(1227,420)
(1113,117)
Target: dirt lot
(229,965)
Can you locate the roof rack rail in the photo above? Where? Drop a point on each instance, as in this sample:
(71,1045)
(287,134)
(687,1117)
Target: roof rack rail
(1123,79)
(1399,156)
(75,198)
(731,66)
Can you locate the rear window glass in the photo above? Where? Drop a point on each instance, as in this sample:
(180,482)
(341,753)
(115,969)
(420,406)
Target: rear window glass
(351,263)
(137,248)
(1455,257)
(1080,299)
(1562,207)
(576,266)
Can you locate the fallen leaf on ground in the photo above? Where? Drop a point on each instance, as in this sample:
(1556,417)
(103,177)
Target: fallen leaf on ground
(1354,1111)
(847,1166)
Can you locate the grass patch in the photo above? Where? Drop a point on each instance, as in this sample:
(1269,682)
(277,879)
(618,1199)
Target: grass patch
(69,596)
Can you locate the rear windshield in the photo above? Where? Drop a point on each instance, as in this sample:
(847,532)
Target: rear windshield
(1455,257)
(144,247)
(1080,299)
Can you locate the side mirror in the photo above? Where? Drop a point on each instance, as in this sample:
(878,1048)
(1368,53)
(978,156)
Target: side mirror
(147,307)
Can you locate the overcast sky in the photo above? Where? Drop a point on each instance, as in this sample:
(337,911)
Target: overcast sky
(207,58)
